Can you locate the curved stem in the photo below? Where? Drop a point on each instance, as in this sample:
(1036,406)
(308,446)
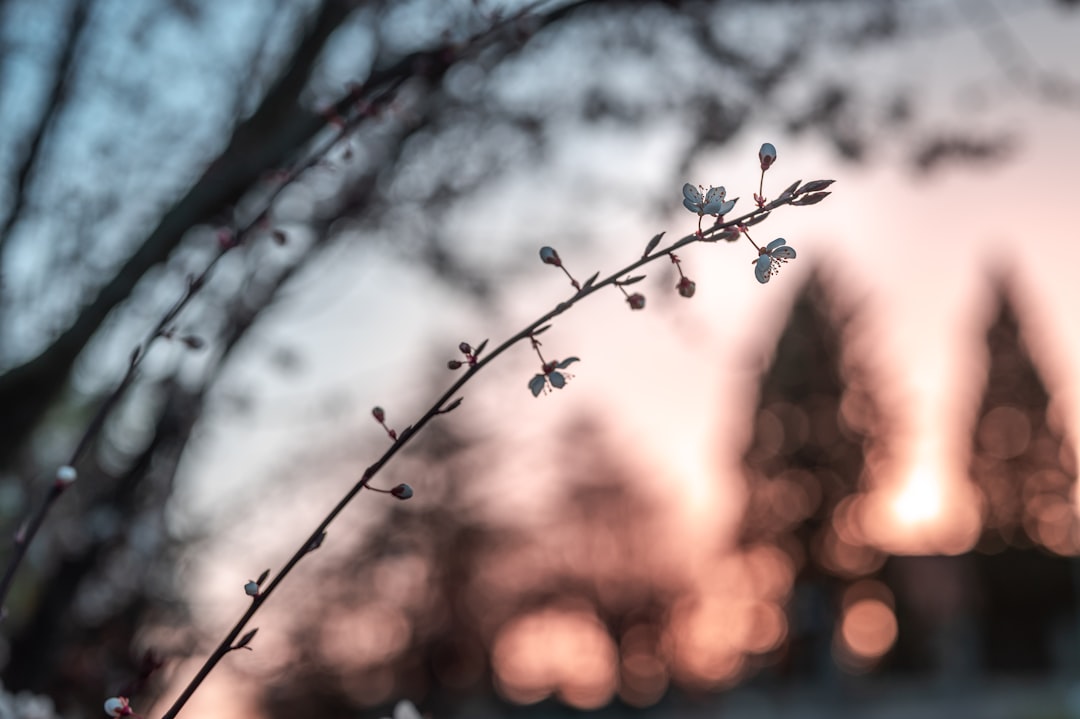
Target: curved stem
(441,406)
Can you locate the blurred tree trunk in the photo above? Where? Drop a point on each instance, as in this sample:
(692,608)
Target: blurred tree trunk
(262,142)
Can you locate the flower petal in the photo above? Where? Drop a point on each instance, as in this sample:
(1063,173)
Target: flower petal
(557,380)
(715,194)
(692,206)
(774,244)
(536,385)
(567,362)
(767,155)
(762,268)
(727,207)
(784,253)
(691,193)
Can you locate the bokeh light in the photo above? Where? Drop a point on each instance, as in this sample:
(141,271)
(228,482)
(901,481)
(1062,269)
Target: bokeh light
(565,652)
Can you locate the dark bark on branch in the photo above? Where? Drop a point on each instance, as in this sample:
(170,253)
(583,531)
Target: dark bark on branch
(264,141)
(53,108)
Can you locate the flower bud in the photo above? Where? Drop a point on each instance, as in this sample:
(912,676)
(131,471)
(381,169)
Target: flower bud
(378,414)
(402,491)
(117,707)
(686,287)
(549,256)
(454,364)
(767,156)
(636,301)
(66,475)
(465,348)
(251,588)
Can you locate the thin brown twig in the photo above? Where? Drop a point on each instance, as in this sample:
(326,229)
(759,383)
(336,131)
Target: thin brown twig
(360,103)
(442,405)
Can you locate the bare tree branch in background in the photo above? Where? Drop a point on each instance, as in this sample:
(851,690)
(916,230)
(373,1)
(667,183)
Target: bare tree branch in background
(262,142)
(279,129)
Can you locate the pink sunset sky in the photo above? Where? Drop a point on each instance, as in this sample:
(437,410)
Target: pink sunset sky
(914,254)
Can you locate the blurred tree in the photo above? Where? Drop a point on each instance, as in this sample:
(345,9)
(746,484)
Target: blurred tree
(1024,469)
(1010,606)
(815,424)
(132,134)
(1026,569)
(437,585)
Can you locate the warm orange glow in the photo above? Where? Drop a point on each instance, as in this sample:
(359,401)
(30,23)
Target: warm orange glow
(919,501)
(930,507)
(770,571)
(764,627)
(868,628)
(556,651)
(714,634)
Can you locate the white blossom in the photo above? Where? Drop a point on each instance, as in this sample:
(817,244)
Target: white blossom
(771,257)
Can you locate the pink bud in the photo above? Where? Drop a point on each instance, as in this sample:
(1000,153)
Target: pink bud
(636,301)
(402,491)
(378,414)
(251,589)
(465,348)
(454,364)
(66,475)
(767,156)
(686,287)
(117,707)
(550,257)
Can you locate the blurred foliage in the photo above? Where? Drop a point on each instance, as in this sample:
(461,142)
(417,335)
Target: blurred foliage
(453,583)
(816,422)
(123,151)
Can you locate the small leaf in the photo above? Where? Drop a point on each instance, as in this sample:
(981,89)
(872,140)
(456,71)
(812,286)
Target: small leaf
(652,245)
(540,330)
(758,218)
(262,577)
(811,199)
(790,190)
(631,280)
(476,352)
(729,234)
(589,282)
(567,362)
(452,406)
(536,385)
(814,186)
(316,542)
(246,639)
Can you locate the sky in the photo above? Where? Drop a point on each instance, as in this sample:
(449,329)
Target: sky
(911,252)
